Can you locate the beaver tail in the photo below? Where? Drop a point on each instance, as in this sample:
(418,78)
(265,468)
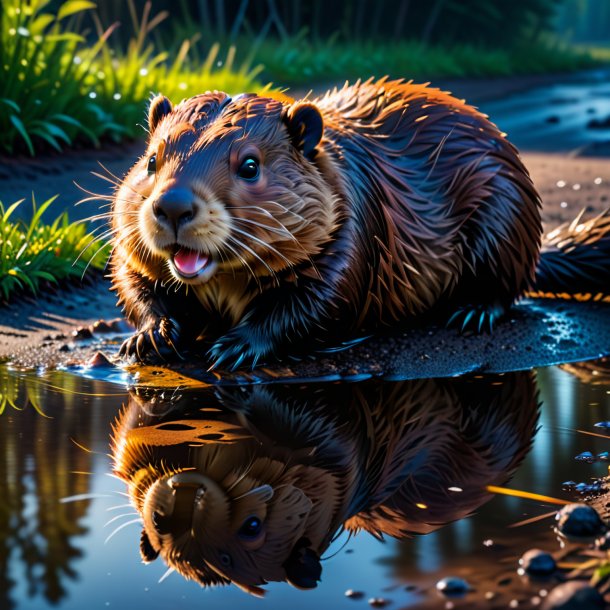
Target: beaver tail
(575,261)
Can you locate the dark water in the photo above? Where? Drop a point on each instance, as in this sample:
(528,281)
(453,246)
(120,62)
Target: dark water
(305,461)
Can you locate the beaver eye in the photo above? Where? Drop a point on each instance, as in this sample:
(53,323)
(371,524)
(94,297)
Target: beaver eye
(152,165)
(248,170)
(250,528)
(225,560)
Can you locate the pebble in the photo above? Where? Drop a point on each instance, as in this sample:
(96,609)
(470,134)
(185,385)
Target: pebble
(378,602)
(100,360)
(354,594)
(537,563)
(579,521)
(452,586)
(585,456)
(82,332)
(574,595)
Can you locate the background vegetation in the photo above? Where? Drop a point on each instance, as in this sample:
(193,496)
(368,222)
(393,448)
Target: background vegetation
(34,254)
(64,82)
(72,73)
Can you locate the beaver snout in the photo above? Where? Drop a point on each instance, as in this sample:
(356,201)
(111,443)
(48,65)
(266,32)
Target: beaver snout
(175,207)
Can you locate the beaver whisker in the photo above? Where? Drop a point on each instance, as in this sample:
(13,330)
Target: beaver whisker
(115,180)
(245,264)
(119,506)
(117,517)
(283,231)
(93,256)
(239,243)
(167,573)
(265,245)
(122,526)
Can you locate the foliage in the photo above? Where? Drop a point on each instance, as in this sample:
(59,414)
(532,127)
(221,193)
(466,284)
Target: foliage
(301,61)
(33,253)
(56,90)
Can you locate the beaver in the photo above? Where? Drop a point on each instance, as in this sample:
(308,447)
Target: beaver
(255,229)
(251,484)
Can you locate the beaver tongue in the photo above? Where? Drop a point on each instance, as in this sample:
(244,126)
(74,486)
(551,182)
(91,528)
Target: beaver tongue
(189,262)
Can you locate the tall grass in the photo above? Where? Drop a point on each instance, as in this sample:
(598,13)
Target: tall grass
(33,253)
(299,60)
(56,89)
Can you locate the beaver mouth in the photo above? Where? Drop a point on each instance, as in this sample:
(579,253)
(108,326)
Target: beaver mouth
(191,264)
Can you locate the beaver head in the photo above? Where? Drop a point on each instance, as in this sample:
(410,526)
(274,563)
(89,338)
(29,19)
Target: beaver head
(226,186)
(247,533)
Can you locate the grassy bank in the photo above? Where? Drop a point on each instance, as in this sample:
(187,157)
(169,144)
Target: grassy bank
(57,88)
(299,61)
(34,254)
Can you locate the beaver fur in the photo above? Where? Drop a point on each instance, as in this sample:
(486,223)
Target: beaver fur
(306,462)
(254,229)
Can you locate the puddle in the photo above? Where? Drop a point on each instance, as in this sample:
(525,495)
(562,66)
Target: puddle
(409,459)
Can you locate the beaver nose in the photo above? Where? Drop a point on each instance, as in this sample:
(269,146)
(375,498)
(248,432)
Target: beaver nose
(174,206)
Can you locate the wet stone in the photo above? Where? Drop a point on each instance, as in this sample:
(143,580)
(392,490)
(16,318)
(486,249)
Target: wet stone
(574,595)
(602,424)
(603,456)
(378,602)
(585,456)
(100,360)
(65,348)
(579,521)
(354,594)
(452,586)
(537,563)
(82,333)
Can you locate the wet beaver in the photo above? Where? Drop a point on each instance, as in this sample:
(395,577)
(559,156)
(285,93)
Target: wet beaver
(254,229)
(251,484)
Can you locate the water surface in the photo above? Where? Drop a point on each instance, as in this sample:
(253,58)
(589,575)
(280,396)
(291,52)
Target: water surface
(409,459)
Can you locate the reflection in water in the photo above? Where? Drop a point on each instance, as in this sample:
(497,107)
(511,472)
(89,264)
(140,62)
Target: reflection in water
(38,467)
(251,484)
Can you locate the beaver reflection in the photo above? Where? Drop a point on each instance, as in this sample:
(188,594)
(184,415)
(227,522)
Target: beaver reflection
(250,484)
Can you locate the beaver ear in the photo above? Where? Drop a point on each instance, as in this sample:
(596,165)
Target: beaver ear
(147,551)
(159,107)
(305,126)
(303,569)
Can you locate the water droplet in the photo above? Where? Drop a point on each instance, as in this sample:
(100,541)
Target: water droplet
(561,183)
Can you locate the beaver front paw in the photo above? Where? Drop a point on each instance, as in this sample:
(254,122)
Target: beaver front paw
(239,348)
(154,343)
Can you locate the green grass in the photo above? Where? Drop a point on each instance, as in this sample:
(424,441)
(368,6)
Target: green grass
(300,62)
(33,253)
(56,90)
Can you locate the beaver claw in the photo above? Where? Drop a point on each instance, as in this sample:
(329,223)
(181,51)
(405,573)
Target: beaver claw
(238,349)
(154,343)
(476,318)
